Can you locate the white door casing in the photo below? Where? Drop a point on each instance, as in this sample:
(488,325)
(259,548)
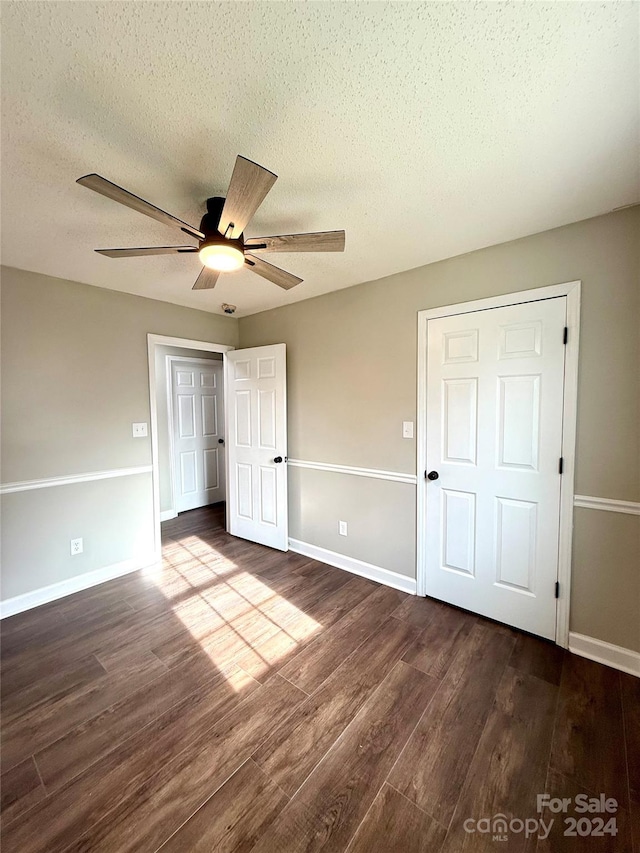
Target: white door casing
(256,400)
(197,426)
(494,421)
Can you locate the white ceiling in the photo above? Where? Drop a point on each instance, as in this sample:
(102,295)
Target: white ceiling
(424,129)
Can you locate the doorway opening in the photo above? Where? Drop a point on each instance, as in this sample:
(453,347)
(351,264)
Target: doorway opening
(190,430)
(186,389)
(254,423)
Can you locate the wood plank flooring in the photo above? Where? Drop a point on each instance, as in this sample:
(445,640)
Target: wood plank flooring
(241,699)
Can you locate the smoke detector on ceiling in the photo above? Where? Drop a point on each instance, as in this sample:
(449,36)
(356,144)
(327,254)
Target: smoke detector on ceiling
(228,309)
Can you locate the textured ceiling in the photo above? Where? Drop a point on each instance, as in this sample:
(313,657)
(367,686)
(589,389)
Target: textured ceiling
(424,129)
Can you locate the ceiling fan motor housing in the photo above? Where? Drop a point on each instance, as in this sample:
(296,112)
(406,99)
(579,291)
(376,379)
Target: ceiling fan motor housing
(209,227)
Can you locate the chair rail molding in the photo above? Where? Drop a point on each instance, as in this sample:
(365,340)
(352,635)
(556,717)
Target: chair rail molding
(607,504)
(88,477)
(372,473)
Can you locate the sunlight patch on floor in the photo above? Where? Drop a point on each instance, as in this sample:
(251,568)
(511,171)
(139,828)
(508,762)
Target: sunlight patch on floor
(233,615)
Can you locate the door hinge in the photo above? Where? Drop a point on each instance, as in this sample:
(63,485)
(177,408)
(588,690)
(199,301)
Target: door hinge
(557,589)
(561,465)
(565,336)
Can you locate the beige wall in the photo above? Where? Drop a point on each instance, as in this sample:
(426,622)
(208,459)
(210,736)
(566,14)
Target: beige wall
(113,517)
(351,359)
(74,379)
(74,374)
(606,592)
(317,500)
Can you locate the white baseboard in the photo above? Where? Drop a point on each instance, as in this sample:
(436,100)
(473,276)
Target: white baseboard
(168,514)
(625,660)
(356,567)
(54,591)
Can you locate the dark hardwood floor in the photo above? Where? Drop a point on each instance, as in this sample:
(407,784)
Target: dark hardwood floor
(243,699)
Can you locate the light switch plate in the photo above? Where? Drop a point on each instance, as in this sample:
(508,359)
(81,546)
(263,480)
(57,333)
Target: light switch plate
(139,430)
(343,530)
(407,429)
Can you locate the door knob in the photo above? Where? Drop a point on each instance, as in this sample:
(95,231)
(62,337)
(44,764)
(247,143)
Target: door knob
(432,475)
(221,441)
(278,459)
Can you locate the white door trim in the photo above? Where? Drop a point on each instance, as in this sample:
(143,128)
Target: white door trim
(572,291)
(154,341)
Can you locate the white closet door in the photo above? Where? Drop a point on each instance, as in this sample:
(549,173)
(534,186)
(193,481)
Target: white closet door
(495,382)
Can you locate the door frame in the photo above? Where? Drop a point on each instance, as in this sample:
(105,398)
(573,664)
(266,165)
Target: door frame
(169,359)
(569,421)
(154,341)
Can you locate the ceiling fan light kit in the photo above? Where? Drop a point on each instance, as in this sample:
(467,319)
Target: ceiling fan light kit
(221,234)
(218,251)
(221,256)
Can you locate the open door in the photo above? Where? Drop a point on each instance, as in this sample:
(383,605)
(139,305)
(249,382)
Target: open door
(256,414)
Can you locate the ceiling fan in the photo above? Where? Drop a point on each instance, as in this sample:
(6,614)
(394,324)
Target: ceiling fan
(222,245)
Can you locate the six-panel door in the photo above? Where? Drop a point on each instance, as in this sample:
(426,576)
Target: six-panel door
(198,433)
(257,444)
(494,435)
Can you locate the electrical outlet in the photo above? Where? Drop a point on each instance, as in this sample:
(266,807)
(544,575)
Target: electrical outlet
(342,528)
(407,429)
(76,547)
(139,430)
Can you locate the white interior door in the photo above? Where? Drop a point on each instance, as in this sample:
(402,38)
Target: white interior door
(495,381)
(256,388)
(197,402)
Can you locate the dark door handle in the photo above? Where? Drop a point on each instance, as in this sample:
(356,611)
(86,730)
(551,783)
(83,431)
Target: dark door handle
(278,459)
(432,475)
(221,441)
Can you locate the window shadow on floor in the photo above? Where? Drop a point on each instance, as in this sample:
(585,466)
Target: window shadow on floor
(105,688)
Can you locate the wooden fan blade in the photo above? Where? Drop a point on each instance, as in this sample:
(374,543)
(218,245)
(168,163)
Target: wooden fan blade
(151,250)
(207,279)
(280,277)
(113,191)
(249,186)
(318,241)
